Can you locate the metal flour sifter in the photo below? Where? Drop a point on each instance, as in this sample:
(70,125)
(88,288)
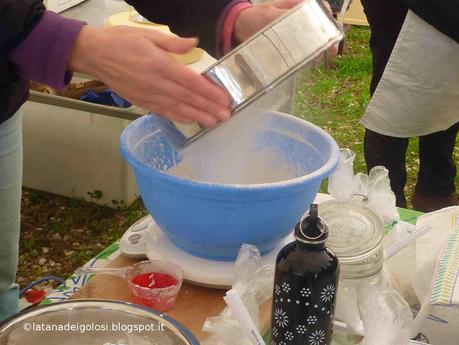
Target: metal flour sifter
(271,56)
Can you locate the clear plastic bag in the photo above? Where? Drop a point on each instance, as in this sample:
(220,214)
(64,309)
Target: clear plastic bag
(401,268)
(386,316)
(381,198)
(372,308)
(375,187)
(254,284)
(340,183)
(412,271)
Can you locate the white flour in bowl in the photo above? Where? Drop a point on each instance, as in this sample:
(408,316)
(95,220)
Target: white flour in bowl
(259,168)
(232,154)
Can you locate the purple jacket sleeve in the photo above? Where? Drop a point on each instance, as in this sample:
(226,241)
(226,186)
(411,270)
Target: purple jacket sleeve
(43,55)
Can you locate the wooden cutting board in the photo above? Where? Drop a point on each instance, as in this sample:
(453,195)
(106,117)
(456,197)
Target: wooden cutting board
(194,304)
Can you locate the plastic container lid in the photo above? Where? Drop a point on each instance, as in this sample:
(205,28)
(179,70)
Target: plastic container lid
(355,236)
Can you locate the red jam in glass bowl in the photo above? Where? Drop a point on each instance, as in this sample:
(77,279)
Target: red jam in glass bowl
(155,284)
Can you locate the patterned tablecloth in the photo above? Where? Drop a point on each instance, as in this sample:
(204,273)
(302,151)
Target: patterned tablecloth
(74,283)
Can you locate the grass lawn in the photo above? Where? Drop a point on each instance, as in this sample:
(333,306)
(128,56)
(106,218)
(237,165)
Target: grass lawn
(335,98)
(60,234)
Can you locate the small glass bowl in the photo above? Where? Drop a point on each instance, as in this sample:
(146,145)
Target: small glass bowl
(161,299)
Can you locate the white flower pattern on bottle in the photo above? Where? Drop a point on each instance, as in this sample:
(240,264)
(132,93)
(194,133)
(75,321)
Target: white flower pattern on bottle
(277,289)
(286,287)
(311,320)
(317,338)
(281,318)
(305,292)
(327,293)
(301,329)
(289,336)
(275,332)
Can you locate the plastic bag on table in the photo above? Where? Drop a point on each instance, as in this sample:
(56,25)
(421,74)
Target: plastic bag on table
(411,270)
(401,268)
(360,186)
(381,198)
(341,181)
(375,187)
(254,284)
(386,316)
(347,308)
(373,309)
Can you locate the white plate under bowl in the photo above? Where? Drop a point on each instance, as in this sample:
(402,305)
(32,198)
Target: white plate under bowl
(198,271)
(145,239)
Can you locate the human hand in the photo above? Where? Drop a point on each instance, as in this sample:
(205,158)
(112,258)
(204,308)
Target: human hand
(135,63)
(258,16)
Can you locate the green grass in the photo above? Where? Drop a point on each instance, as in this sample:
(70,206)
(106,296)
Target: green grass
(336,98)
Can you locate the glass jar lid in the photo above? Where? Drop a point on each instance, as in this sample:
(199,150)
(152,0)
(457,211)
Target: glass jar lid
(355,236)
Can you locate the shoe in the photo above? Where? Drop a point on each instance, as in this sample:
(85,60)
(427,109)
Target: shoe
(424,203)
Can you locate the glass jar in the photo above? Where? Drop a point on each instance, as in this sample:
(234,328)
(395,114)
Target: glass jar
(356,237)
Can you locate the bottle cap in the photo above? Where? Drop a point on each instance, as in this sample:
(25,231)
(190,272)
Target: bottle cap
(312,229)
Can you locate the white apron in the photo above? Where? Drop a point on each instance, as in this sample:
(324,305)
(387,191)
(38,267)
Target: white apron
(418,93)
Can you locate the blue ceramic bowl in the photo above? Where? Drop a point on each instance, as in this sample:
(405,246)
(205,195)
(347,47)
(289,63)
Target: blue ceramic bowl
(212,220)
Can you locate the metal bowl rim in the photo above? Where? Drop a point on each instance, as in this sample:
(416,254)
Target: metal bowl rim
(145,312)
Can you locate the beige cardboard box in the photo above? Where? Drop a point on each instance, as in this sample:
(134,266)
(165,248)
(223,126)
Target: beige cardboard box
(355,14)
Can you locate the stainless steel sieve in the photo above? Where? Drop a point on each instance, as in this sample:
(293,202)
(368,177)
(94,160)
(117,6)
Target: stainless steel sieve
(272,55)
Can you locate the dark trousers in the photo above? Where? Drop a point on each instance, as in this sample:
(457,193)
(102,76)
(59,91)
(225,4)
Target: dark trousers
(437,169)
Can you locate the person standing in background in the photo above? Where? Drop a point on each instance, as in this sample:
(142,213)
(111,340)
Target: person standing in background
(415,93)
(44,47)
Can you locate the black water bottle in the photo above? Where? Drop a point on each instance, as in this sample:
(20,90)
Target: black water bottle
(305,285)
